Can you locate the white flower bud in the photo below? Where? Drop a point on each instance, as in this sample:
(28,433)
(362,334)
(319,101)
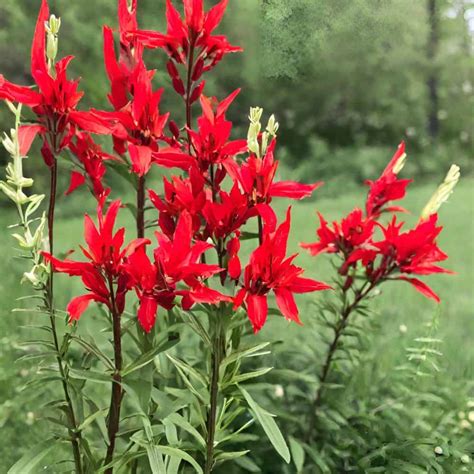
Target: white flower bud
(443,192)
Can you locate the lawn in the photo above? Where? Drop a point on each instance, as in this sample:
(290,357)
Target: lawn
(20,420)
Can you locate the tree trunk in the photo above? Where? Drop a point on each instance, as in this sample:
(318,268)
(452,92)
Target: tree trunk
(432,81)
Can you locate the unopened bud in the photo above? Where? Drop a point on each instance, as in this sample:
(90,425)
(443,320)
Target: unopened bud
(255,114)
(443,192)
(273,126)
(400,164)
(52,29)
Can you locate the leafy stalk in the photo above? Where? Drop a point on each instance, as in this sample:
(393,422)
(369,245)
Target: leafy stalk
(74,433)
(113,422)
(347,309)
(217,355)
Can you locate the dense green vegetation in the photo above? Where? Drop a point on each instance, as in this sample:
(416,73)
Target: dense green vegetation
(401,315)
(347,81)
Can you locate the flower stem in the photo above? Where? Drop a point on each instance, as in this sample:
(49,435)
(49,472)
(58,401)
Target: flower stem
(73,432)
(342,323)
(113,422)
(218,353)
(141,207)
(189,84)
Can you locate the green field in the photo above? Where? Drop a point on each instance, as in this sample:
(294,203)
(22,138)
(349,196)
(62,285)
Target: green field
(20,419)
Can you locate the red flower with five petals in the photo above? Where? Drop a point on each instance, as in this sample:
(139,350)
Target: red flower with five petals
(175,261)
(270,270)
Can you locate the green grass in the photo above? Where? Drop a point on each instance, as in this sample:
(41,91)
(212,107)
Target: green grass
(400,303)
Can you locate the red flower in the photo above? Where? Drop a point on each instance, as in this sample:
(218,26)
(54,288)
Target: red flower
(130,54)
(139,115)
(256,176)
(353,231)
(211,143)
(404,253)
(175,261)
(270,270)
(104,267)
(388,187)
(91,157)
(56,102)
(180,194)
(195,31)
(225,216)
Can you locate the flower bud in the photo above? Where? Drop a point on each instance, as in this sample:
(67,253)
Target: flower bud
(443,192)
(255,114)
(400,164)
(272,126)
(52,29)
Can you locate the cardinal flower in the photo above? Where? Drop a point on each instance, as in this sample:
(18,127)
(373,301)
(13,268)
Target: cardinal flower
(130,54)
(192,32)
(175,261)
(353,231)
(55,102)
(104,268)
(412,252)
(269,270)
(256,176)
(180,194)
(388,187)
(211,143)
(91,158)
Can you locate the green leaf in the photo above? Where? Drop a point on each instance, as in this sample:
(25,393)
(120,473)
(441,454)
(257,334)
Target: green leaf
(182,423)
(180,454)
(251,375)
(32,458)
(155,459)
(247,464)
(269,426)
(149,356)
(240,354)
(91,418)
(297,454)
(231,455)
(91,375)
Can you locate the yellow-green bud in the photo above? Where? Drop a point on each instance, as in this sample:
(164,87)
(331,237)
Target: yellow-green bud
(400,163)
(273,126)
(255,114)
(52,29)
(443,192)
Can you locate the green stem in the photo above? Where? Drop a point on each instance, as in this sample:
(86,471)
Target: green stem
(342,323)
(218,353)
(141,207)
(74,434)
(113,422)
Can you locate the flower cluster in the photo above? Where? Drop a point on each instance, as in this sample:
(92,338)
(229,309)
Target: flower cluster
(384,250)
(224,191)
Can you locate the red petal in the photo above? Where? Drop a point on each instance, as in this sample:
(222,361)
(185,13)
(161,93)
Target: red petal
(307,285)
(90,122)
(214,16)
(147,313)
(173,159)
(292,189)
(286,303)
(141,159)
(26,135)
(38,57)
(257,310)
(423,288)
(77,179)
(78,305)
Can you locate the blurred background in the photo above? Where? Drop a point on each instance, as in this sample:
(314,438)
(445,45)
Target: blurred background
(347,80)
